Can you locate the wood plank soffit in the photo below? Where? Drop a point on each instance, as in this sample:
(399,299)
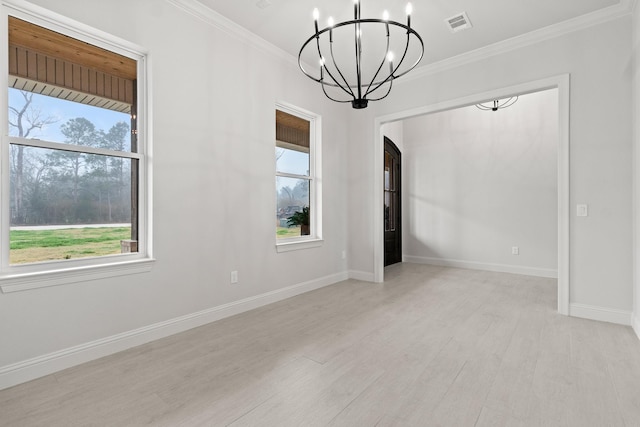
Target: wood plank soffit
(41,55)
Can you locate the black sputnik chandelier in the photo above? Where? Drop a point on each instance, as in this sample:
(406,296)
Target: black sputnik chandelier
(351,56)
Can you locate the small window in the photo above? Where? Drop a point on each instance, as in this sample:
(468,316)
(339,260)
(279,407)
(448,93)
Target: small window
(75,157)
(297,205)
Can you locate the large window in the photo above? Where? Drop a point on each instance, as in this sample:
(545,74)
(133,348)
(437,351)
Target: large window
(297,175)
(73,195)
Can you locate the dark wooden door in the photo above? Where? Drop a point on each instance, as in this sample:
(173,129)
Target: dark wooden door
(392,204)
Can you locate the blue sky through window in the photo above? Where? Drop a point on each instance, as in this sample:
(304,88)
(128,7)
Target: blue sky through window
(63,110)
(291,161)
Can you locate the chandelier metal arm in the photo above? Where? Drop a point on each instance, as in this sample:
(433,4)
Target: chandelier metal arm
(347,89)
(390,81)
(324,89)
(369,90)
(406,49)
(358,62)
(346,86)
(358,42)
(391,76)
(404,54)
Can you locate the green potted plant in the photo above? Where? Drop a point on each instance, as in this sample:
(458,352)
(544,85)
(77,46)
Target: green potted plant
(302,219)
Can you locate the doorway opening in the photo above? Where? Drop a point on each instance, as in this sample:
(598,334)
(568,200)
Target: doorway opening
(561,83)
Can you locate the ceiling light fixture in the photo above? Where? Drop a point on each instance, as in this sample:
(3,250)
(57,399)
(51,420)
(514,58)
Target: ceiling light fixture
(333,48)
(498,104)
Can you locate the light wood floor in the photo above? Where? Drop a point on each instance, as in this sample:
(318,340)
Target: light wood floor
(430,346)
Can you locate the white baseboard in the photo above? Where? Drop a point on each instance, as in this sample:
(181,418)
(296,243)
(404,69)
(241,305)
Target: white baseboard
(474,265)
(602,314)
(40,366)
(635,324)
(362,275)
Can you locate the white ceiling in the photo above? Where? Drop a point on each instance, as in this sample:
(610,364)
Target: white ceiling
(288,23)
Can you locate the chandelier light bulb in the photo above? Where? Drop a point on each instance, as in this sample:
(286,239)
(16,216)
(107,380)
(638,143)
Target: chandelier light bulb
(330,21)
(385,15)
(316,15)
(409,9)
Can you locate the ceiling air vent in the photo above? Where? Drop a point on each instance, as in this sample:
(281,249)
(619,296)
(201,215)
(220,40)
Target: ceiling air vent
(458,22)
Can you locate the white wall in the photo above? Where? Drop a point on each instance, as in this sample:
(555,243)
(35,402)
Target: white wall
(598,60)
(480,182)
(213,104)
(394,131)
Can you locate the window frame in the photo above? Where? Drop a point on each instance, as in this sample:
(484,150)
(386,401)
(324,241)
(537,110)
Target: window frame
(314,239)
(20,277)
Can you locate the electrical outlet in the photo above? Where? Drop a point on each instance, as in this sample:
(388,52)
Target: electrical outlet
(515,250)
(234,276)
(582,210)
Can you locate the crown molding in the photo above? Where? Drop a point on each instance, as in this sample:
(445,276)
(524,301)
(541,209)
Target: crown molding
(623,8)
(42,16)
(211,17)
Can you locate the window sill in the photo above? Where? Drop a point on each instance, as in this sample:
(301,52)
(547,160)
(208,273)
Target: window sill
(42,279)
(298,245)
